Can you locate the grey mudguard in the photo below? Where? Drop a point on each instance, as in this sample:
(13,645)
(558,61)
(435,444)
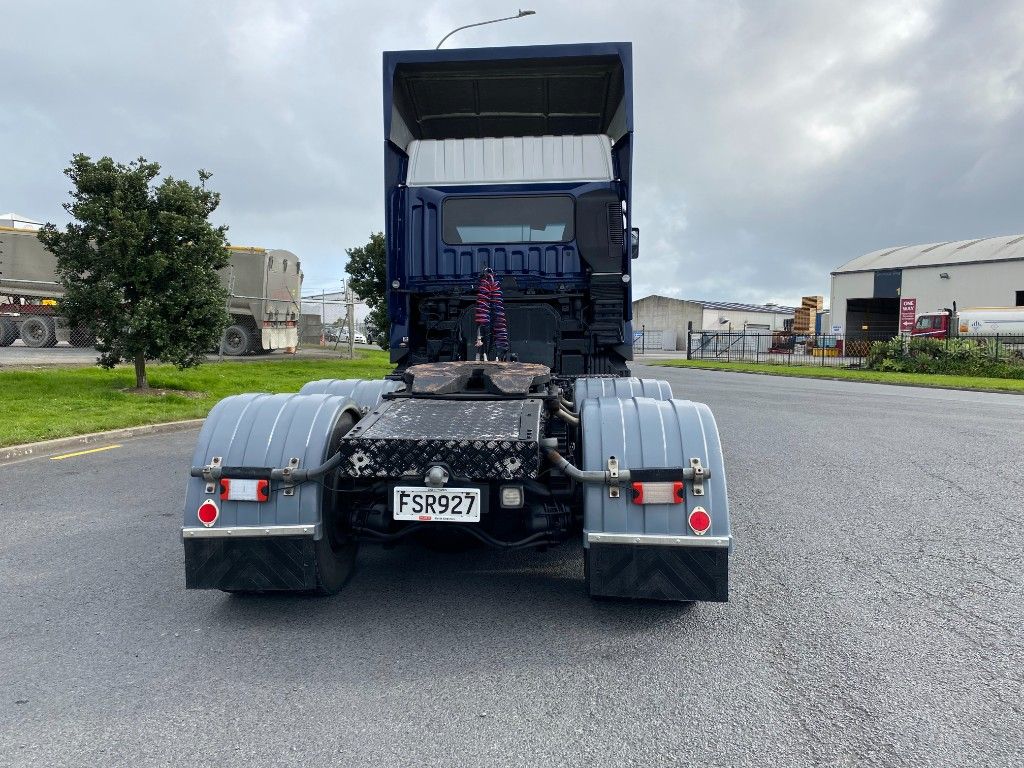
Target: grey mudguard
(259,430)
(367,393)
(620,387)
(645,433)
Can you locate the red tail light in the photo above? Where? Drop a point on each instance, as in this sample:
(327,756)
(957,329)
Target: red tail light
(700,521)
(208,512)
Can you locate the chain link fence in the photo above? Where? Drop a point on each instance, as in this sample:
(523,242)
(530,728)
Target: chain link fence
(287,325)
(38,326)
(825,350)
(331,323)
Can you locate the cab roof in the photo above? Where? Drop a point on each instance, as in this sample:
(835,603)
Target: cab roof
(546,90)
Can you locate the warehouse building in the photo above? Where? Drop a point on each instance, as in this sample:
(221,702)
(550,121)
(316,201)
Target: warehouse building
(880,292)
(17,221)
(666,321)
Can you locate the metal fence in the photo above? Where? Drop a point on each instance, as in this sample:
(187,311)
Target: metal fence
(38,326)
(331,323)
(645,340)
(825,350)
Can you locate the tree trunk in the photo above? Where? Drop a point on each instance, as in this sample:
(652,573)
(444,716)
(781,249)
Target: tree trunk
(141,382)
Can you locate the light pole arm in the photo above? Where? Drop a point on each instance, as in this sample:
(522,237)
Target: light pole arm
(519,15)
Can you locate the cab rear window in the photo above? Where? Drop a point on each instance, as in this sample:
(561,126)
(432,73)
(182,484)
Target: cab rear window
(481,220)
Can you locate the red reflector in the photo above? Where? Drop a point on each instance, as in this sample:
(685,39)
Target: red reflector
(700,520)
(658,493)
(208,512)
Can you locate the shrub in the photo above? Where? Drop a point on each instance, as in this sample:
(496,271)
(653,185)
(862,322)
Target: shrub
(956,357)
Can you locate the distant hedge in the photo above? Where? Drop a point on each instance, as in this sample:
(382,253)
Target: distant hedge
(956,357)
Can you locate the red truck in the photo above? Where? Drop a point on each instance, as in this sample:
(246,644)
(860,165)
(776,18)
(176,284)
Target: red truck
(976,321)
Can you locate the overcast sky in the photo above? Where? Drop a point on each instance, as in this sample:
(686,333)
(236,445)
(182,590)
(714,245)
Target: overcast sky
(775,140)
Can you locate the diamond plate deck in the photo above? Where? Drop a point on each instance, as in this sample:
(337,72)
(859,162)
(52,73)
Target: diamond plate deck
(475,439)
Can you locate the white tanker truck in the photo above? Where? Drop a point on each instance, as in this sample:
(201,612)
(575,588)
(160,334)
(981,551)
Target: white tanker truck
(1007,322)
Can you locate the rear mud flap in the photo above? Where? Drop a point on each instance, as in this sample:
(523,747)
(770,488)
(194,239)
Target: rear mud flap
(658,573)
(251,564)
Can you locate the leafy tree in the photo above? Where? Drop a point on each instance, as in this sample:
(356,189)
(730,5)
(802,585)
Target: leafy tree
(139,263)
(367,273)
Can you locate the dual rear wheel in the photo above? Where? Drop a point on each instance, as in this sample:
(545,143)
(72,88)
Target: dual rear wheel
(39,332)
(336,550)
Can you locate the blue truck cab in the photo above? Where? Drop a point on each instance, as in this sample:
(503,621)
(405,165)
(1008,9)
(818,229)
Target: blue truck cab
(518,160)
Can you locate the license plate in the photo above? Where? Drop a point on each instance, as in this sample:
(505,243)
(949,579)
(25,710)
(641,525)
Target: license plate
(437,505)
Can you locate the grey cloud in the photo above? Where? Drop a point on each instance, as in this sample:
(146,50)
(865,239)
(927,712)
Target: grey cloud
(775,140)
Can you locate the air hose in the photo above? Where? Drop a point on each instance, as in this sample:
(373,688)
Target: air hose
(490,313)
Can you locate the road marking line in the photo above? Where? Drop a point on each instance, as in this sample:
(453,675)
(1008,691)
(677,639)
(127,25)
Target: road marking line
(82,453)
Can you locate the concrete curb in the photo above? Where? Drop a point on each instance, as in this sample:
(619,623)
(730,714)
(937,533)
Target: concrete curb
(60,444)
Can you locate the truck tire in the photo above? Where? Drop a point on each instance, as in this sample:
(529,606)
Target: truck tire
(335,551)
(39,332)
(8,332)
(237,339)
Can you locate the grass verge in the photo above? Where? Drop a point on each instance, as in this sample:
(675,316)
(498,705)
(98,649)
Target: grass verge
(50,403)
(939,381)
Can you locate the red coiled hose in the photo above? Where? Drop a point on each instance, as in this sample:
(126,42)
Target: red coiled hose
(490,310)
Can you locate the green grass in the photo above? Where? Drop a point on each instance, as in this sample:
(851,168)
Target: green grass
(855,374)
(60,402)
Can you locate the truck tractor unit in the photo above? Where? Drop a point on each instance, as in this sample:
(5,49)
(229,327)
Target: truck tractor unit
(511,419)
(1004,322)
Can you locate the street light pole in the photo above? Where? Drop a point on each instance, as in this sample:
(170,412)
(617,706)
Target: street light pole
(350,298)
(519,15)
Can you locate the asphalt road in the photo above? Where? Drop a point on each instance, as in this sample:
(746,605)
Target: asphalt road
(20,355)
(875,617)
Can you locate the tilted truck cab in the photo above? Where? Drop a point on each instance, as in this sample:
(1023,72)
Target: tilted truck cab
(518,160)
(511,419)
